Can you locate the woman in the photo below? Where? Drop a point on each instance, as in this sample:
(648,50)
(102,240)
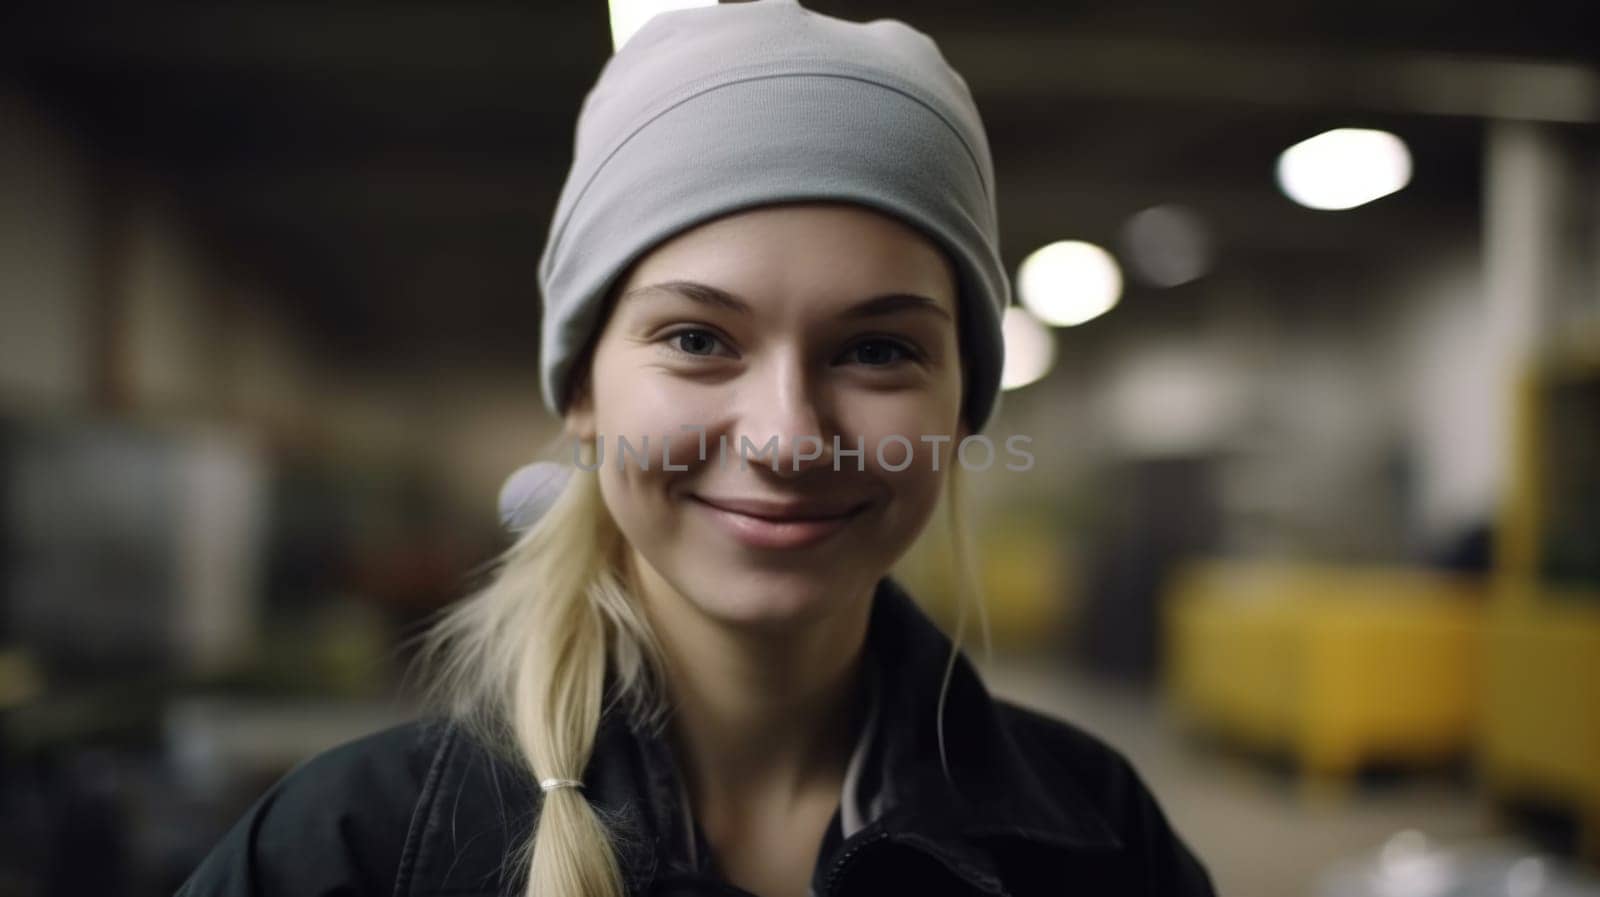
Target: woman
(772,301)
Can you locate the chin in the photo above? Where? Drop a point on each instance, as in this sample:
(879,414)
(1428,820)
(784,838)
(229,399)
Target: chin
(763,598)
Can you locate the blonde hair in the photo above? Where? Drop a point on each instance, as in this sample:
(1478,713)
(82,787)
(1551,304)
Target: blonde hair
(521,664)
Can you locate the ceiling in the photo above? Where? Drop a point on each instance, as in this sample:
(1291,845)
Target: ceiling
(392,167)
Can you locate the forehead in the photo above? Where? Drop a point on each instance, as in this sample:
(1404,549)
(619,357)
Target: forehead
(820,250)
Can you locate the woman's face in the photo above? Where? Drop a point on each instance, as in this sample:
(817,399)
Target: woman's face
(774,331)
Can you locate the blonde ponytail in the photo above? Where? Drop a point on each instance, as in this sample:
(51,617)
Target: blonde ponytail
(522,664)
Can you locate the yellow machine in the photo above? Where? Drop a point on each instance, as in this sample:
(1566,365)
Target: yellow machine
(1540,735)
(1334,665)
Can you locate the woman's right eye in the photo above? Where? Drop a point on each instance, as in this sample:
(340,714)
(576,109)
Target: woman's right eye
(694,341)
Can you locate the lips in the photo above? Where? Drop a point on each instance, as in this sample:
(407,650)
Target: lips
(769,524)
(784,511)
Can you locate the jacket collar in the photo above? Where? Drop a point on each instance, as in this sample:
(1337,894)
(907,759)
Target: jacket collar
(993,788)
(481,811)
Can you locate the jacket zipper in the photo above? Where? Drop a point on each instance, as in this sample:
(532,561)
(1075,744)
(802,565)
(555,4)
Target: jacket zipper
(834,874)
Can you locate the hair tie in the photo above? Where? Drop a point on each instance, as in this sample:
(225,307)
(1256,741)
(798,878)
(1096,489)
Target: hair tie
(552,784)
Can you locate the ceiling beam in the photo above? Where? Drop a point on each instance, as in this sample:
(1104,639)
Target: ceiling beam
(554,45)
(1041,63)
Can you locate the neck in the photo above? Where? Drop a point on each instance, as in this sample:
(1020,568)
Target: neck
(761,714)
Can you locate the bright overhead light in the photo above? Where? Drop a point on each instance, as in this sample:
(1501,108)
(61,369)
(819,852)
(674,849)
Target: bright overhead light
(628,16)
(1030,348)
(1069,282)
(1344,168)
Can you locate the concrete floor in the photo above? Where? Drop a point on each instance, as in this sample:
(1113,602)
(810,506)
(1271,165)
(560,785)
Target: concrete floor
(1258,830)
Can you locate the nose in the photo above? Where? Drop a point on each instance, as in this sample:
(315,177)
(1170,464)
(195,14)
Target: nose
(785,407)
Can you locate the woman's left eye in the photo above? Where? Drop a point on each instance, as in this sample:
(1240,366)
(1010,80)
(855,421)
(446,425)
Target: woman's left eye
(881,352)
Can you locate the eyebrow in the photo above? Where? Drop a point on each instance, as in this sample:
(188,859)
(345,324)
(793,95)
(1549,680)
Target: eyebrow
(705,294)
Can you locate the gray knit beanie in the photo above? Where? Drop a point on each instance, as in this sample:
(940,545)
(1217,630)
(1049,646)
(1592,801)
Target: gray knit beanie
(715,109)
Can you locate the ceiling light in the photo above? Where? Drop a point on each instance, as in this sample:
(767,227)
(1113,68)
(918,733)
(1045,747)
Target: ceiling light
(628,16)
(1344,168)
(1167,245)
(1069,282)
(1030,348)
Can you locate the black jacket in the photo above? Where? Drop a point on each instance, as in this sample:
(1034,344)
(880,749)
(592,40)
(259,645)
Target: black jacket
(1034,806)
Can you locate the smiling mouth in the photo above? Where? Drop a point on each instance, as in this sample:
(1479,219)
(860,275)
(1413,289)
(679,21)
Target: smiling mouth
(770,525)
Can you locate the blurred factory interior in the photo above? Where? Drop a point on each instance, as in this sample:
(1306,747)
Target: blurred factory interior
(1314,530)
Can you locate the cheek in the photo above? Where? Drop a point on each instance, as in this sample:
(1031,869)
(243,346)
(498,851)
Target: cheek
(649,412)
(899,429)
(902,428)
(634,401)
